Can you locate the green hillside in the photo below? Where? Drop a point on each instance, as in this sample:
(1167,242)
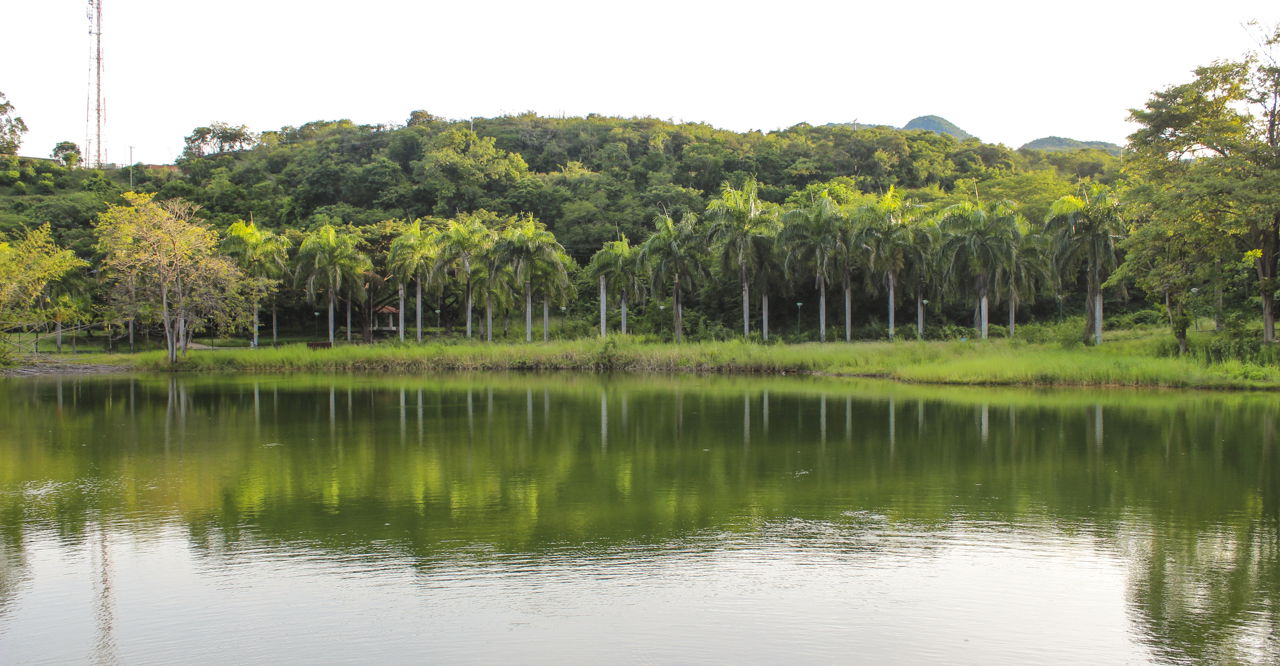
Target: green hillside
(1050,144)
(939,125)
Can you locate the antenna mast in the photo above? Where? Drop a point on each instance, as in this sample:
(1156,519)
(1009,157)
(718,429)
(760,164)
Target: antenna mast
(95,83)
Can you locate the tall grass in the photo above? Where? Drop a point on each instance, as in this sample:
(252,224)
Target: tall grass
(1000,362)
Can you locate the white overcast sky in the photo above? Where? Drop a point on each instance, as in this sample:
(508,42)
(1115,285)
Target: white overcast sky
(1008,72)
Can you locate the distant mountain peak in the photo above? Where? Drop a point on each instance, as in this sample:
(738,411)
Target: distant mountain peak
(1051,144)
(939,125)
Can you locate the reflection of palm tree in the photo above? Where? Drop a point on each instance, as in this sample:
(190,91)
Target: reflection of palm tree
(104,647)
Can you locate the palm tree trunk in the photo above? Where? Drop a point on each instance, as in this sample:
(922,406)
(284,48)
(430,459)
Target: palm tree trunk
(417,306)
(546,317)
(1013,312)
(1097,318)
(764,316)
(624,313)
(275,330)
(468,306)
(822,309)
(919,317)
(603,331)
(400,319)
(848,311)
(746,303)
(675,309)
(528,311)
(348,320)
(982,308)
(256,310)
(891,304)
(488,316)
(331,306)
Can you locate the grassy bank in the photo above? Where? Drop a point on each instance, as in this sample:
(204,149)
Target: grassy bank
(998,362)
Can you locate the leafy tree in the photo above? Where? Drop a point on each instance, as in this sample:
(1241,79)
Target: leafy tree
(1216,138)
(327,260)
(11,128)
(159,250)
(217,138)
(28,265)
(68,153)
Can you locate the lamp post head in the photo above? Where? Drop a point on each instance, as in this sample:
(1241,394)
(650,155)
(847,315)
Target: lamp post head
(924,301)
(798,304)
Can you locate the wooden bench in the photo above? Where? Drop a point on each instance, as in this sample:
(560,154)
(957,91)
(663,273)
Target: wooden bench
(320,345)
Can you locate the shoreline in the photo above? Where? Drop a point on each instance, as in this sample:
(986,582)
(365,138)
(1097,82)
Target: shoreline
(996,363)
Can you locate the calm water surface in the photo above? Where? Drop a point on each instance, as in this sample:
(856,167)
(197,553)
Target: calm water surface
(554,519)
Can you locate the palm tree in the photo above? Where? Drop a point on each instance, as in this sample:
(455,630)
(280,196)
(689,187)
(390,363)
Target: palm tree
(525,246)
(738,218)
(262,254)
(671,254)
(615,266)
(921,273)
(328,259)
(888,238)
(813,237)
(413,254)
(1086,229)
(979,238)
(767,267)
(460,243)
(1026,267)
(553,276)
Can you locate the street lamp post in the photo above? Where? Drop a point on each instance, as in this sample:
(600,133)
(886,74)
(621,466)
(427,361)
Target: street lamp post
(798,306)
(317,320)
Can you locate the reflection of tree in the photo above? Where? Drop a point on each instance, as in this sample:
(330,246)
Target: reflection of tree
(13,573)
(1183,485)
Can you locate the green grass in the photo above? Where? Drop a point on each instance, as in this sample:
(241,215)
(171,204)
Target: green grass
(1129,362)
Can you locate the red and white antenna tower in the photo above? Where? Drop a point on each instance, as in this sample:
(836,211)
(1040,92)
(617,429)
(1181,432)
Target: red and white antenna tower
(93,140)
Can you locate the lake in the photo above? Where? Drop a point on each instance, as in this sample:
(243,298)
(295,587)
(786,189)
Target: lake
(573,518)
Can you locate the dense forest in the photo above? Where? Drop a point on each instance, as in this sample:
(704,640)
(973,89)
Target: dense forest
(883,221)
